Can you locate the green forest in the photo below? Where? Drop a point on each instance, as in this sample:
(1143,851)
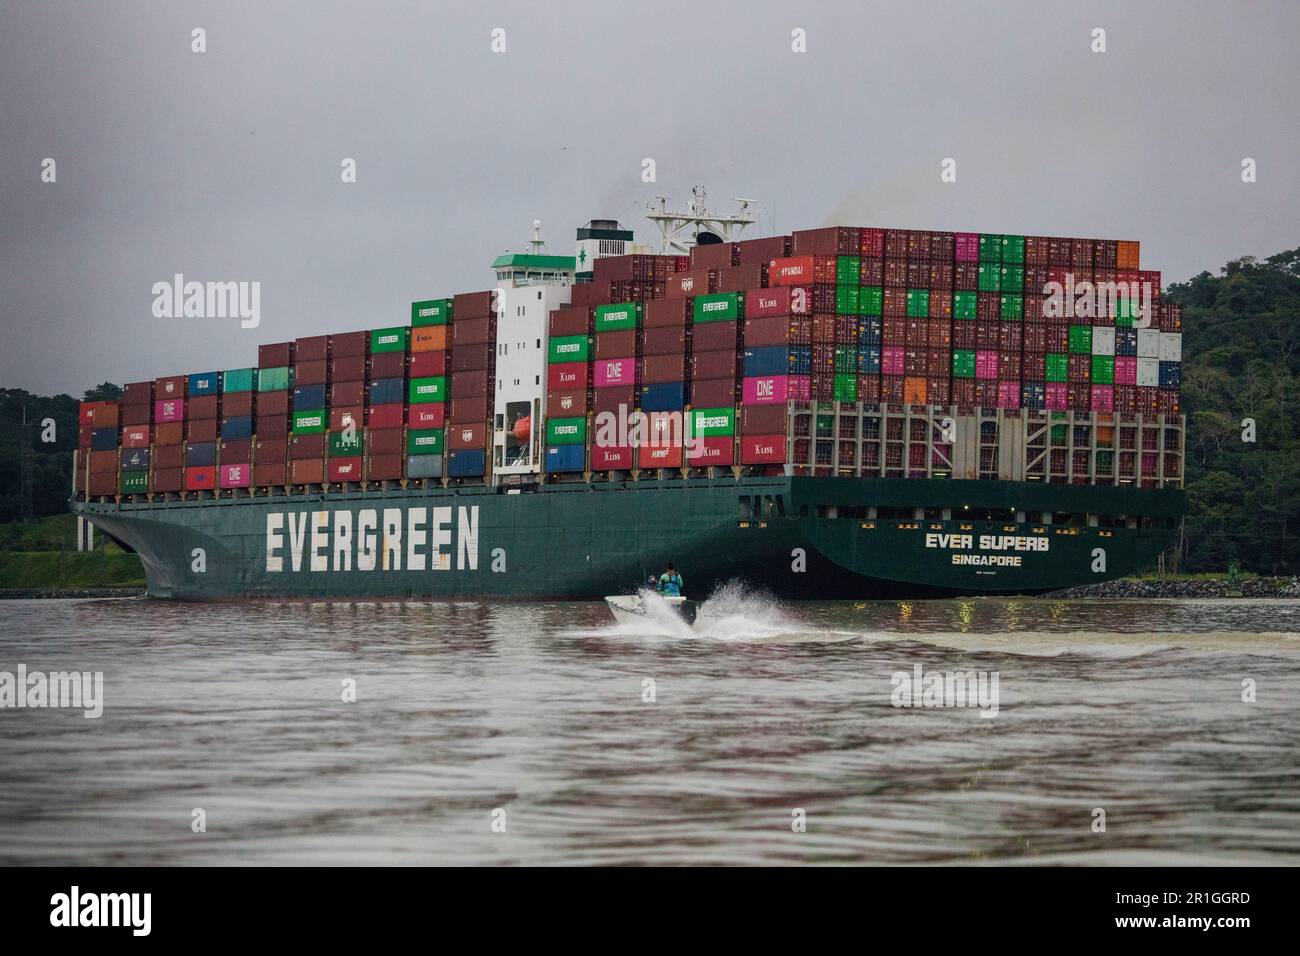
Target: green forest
(1241,349)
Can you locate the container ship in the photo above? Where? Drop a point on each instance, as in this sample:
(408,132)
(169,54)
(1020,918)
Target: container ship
(841,412)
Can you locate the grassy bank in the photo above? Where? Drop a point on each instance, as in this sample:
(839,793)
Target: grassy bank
(69,569)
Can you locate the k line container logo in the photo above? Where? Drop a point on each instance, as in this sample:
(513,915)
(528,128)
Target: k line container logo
(988,542)
(325,541)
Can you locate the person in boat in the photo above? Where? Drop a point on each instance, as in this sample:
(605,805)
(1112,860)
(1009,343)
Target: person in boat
(670,582)
(652,583)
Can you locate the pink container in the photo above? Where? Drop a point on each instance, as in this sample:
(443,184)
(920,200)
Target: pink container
(619,371)
(766,390)
(1008,394)
(801,388)
(892,360)
(986,365)
(1058,396)
(968,247)
(1103,398)
(236,476)
(169,410)
(1126,370)
(1148,463)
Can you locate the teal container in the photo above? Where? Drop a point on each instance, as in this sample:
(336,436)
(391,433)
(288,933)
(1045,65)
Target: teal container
(238,380)
(273,379)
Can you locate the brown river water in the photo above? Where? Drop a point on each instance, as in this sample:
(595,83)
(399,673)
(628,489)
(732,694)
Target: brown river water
(545,734)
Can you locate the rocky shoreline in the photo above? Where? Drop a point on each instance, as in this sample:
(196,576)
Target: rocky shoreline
(29,594)
(1192,588)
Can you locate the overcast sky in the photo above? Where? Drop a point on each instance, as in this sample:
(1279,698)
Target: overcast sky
(225,165)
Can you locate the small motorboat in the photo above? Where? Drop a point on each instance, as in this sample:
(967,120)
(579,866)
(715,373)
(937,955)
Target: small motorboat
(634,608)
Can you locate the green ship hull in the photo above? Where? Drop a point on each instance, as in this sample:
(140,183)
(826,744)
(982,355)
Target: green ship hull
(825,538)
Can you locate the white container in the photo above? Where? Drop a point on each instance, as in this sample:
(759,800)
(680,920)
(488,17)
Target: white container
(1148,343)
(1171,346)
(1103,341)
(1148,372)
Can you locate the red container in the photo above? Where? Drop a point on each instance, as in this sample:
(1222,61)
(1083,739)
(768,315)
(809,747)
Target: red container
(307,471)
(569,404)
(428,364)
(718,363)
(103,461)
(168,456)
(467,435)
(566,376)
(237,404)
(385,441)
(345,469)
(659,456)
(276,355)
(708,452)
(713,393)
(470,331)
(571,321)
(740,278)
(469,384)
(237,449)
(99,414)
(307,446)
(135,436)
(272,403)
(666,312)
(138,393)
(617,458)
(694,282)
(384,467)
(387,365)
(165,479)
(616,344)
(762,251)
(425,415)
(345,393)
(662,340)
(310,373)
(169,433)
(471,305)
(388,416)
(267,475)
(831,240)
(272,426)
(203,478)
(349,368)
(715,335)
(204,429)
(270,451)
(85,435)
(236,475)
(313,348)
(788,300)
(136,414)
(170,387)
(342,414)
(612,400)
(716,255)
(470,358)
(665,368)
(349,345)
(462,410)
(762,449)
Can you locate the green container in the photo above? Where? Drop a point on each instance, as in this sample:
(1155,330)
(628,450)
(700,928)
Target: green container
(848,270)
(871,300)
(990,277)
(1013,278)
(713,422)
(846,388)
(430,312)
(566,431)
(310,422)
(964,305)
(432,389)
(134,482)
(1057,367)
(1013,307)
(424,441)
(273,379)
(1058,434)
(343,445)
(825,423)
(848,300)
(918,303)
(846,359)
(1123,322)
(238,380)
(990,247)
(1081,339)
(963,363)
(1103,370)
(1105,462)
(719,307)
(618,318)
(1013,249)
(388,340)
(1126,308)
(569,348)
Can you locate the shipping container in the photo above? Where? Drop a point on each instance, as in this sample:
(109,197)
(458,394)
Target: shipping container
(431,312)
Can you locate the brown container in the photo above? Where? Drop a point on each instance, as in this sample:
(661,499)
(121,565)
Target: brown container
(467,435)
(469,358)
(469,384)
(715,335)
(272,403)
(138,393)
(79,476)
(774,330)
(384,467)
(716,255)
(313,348)
(307,446)
(610,399)
(272,426)
(469,409)
(168,456)
(694,282)
(237,404)
(205,406)
(347,393)
(663,313)
(349,344)
(389,364)
(315,372)
(201,429)
(340,414)
(102,462)
(610,345)
(385,441)
(236,450)
(270,451)
(103,484)
(471,305)
(470,331)
(742,278)
(275,355)
(664,368)
(713,393)
(830,241)
(429,338)
(570,404)
(350,368)
(137,414)
(762,251)
(762,419)
(718,363)
(171,387)
(663,340)
(307,471)
(169,433)
(165,479)
(270,473)
(571,321)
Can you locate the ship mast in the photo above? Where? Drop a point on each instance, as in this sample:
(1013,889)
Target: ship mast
(681,229)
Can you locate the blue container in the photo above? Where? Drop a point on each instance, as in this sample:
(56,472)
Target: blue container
(663,397)
(768,360)
(103,439)
(308,397)
(869,330)
(1126,342)
(1034,395)
(1171,374)
(239,426)
(388,391)
(135,459)
(466,463)
(868,360)
(565,457)
(203,383)
(202,453)
(800,360)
